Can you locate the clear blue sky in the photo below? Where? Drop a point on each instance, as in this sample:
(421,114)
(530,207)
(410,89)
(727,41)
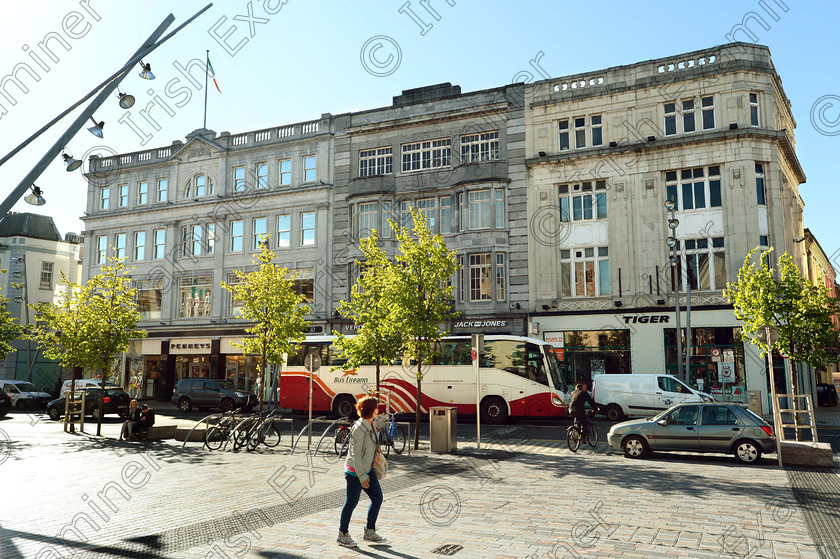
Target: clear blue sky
(305,60)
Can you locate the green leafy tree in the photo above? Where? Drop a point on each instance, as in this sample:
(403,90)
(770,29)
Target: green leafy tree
(90,324)
(799,311)
(420,294)
(9,328)
(377,339)
(270,301)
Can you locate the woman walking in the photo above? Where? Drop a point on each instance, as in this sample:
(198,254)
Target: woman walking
(358,471)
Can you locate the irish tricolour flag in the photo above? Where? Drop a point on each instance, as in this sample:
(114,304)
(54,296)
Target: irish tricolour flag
(212,74)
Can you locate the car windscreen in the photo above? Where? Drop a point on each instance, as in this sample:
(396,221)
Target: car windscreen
(27,387)
(226,385)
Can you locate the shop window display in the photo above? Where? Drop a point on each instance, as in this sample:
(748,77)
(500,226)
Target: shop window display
(717,361)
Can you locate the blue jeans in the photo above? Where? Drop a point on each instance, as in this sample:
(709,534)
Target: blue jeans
(354,491)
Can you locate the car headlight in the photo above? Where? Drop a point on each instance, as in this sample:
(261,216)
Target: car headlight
(239,394)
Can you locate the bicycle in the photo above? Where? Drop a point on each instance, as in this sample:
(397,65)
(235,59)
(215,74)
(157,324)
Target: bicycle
(216,435)
(264,432)
(587,433)
(342,439)
(242,432)
(392,435)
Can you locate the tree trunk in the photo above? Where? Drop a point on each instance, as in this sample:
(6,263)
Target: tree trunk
(102,396)
(262,382)
(378,362)
(419,402)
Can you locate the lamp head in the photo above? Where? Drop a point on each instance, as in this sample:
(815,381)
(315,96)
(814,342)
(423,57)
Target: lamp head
(35,198)
(146,74)
(96,130)
(673,223)
(126,100)
(671,241)
(669,205)
(71,163)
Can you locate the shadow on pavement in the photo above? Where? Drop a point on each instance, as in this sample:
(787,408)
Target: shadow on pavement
(165,451)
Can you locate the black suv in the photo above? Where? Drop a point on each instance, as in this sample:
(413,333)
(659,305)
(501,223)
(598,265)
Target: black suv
(116,401)
(206,393)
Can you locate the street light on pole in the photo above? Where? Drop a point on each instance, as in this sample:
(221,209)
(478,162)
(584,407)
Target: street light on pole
(671,241)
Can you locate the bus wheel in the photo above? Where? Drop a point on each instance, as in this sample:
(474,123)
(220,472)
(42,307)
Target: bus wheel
(493,411)
(344,405)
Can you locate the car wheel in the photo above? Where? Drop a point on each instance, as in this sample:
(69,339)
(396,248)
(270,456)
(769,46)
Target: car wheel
(614,412)
(634,447)
(54,414)
(494,411)
(344,405)
(184,404)
(227,405)
(20,405)
(747,452)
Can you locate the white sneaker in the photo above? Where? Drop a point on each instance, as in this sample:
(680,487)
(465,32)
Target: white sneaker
(345,539)
(372,537)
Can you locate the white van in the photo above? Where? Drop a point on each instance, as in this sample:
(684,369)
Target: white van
(641,395)
(80,385)
(25,395)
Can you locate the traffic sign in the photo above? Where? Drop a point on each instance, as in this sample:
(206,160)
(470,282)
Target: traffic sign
(474,354)
(312,363)
(715,354)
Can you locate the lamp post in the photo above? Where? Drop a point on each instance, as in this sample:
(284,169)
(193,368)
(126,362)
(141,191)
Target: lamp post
(671,241)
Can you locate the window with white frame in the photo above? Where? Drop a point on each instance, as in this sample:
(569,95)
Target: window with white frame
(580,131)
(304,283)
(122,199)
(462,213)
(199,185)
(234,305)
(309,168)
(210,243)
(563,135)
(307,228)
(760,190)
(142,192)
(429,154)
(501,284)
(285,168)
(754,109)
(579,202)
(162,190)
(284,231)
(405,214)
(104,197)
(480,277)
(262,175)
(461,284)
(499,195)
(585,272)
(149,295)
(702,262)
(239,179)
(763,241)
(259,231)
(194,296)
(445,214)
(119,245)
(478,202)
(386,215)
(237,233)
(198,239)
(46,275)
(596,130)
(139,245)
(688,120)
(707,107)
(426,206)
(159,236)
(101,249)
(368,213)
(377,161)
(483,146)
(694,189)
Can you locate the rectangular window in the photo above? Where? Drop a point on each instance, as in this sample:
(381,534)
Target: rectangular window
(211,238)
(585,272)
(760,193)
(580,132)
(670,119)
(46,275)
(500,208)
(584,203)
(386,215)
(480,277)
(379,161)
(754,109)
(122,201)
(596,131)
(200,185)
(260,230)
(305,283)
(119,245)
(192,240)
(694,189)
(426,206)
(707,105)
(446,214)
(284,231)
(367,218)
(235,305)
(479,209)
(501,290)
(239,179)
(149,296)
(689,124)
(262,175)
(237,232)
(405,214)
(104,198)
(285,169)
(162,190)
(763,241)
(160,243)
(430,154)
(461,285)
(309,168)
(194,296)
(483,146)
(101,249)
(142,192)
(462,220)
(563,135)
(139,245)
(307,229)
(703,263)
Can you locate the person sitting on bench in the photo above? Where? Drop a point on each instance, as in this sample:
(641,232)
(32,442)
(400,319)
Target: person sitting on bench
(147,419)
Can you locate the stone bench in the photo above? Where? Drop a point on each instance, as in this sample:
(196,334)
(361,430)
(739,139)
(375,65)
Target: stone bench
(157,432)
(197,436)
(807,453)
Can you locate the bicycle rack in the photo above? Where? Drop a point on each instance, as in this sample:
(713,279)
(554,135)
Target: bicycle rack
(324,434)
(199,422)
(321,419)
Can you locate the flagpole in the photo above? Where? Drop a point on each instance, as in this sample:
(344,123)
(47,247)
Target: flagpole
(206,76)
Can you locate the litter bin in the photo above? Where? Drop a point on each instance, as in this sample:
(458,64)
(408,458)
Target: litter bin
(443,429)
(754,401)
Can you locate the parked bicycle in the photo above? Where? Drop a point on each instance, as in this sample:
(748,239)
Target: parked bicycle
(242,431)
(342,438)
(586,433)
(392,435)
(216,435)
(264,432)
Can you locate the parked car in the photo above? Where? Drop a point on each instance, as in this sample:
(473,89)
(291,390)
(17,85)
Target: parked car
(24,395)
(116,402)
(697,427)
(640,395)
(5,403)
(826,395)
(80,384)
(206,393)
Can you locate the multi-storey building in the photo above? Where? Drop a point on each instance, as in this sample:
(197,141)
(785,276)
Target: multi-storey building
(819,272)
(712,131)
(32,258)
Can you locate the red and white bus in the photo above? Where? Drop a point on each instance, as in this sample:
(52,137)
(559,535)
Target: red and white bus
(519,376)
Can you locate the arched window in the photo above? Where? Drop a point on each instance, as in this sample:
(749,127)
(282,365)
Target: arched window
(198,186)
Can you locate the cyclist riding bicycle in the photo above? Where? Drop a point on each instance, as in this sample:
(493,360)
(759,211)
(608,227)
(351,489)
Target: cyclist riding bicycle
(580,397)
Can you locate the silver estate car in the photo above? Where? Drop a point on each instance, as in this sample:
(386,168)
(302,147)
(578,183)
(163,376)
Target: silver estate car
(697,427)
